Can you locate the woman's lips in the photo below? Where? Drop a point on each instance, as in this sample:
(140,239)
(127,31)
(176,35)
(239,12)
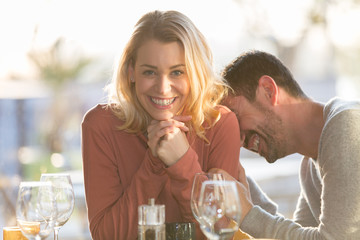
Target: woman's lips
(162,101)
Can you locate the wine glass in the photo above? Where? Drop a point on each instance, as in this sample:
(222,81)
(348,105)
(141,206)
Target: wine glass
(36,209)
(219,209)
(64,196)
(199,178)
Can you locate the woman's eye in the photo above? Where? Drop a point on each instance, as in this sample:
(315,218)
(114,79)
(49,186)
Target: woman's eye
(149,73)
(177,73)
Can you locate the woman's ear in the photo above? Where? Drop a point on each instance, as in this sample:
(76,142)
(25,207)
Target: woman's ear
(131,73)
(269,89)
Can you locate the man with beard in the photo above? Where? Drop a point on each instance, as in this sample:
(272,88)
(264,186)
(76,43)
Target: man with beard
(277,119)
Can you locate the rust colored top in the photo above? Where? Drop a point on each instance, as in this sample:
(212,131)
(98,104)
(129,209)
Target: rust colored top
(120,172)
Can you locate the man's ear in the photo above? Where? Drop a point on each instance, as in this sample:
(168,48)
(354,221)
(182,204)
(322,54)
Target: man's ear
(268,89)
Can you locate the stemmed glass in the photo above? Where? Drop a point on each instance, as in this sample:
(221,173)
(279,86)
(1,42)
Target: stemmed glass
(64,196)
(199,178)
(219,209)
(36,209)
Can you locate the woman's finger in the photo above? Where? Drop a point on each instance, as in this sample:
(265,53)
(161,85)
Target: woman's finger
(182,118)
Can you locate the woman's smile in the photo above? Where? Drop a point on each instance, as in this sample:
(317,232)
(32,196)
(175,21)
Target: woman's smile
(163,103)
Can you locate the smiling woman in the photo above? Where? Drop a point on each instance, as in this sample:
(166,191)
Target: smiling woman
(160,78)
(163,124)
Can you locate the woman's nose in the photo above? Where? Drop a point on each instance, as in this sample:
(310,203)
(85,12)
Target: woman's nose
(164,84)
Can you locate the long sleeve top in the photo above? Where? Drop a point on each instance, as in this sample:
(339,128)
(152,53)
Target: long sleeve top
(329,205)
(120,172)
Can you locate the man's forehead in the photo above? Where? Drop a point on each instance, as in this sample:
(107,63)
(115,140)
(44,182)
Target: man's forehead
(237,104)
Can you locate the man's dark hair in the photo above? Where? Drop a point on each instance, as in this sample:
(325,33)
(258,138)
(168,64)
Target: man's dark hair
(244,72)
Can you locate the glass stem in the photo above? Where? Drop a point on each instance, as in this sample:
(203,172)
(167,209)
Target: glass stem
(56,233)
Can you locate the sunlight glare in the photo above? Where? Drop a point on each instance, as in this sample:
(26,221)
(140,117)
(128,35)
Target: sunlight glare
(57,160)
(287,19)
(344,30)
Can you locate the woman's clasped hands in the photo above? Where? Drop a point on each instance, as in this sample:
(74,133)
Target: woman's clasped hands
(167,139)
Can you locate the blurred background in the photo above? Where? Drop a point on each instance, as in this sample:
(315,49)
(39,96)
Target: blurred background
(56,56)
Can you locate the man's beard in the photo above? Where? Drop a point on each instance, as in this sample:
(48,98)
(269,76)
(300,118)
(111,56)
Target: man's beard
(272,135)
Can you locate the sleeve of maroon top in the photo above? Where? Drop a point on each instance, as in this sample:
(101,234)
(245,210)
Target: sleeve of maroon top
(225,145)
(224,154)
(112,209)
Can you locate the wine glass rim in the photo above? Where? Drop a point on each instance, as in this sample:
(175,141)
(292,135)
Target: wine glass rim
(220,182)
(35,183)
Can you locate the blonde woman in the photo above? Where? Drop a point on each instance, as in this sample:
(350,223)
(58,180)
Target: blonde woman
(162,125)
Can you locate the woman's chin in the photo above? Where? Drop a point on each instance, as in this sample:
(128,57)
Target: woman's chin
(162,117)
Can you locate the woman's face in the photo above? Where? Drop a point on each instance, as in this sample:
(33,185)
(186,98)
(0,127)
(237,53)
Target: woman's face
(161,81)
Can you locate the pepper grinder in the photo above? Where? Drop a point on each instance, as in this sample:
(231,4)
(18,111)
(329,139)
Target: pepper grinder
(151,223)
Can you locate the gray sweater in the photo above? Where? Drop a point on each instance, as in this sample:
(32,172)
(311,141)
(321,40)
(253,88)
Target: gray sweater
(329,204)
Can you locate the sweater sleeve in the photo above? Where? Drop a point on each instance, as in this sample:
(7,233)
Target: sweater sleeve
(261,224)
(112,208)
(225,145)
(339,164)
(260,198)
(309,179)
(303,214)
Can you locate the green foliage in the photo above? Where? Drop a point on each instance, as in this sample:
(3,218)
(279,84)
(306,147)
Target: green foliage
(32,172)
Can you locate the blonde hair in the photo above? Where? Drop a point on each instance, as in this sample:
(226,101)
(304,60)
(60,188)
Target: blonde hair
(206,87)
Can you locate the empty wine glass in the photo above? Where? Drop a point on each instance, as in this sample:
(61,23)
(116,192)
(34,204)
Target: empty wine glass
(219,209)
(64,195)
(36,209)
(199,178)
